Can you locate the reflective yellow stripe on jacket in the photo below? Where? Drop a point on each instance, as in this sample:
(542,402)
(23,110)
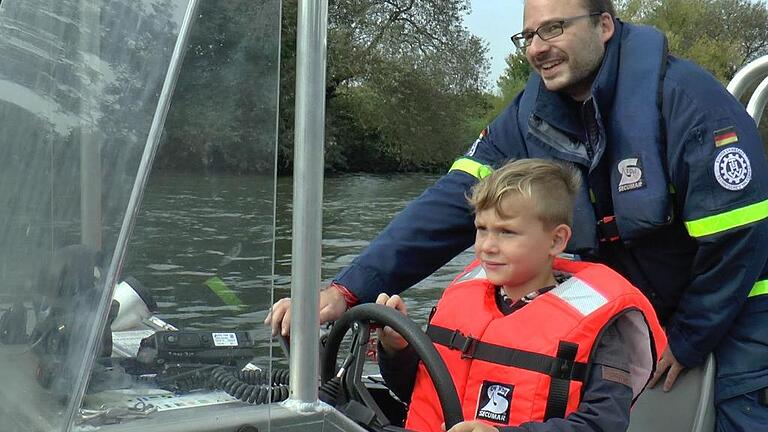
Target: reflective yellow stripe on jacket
(724,221)
(471,167)
(732,219)
(760,288)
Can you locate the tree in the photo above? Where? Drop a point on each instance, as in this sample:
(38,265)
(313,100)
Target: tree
(720,35)
(365,36)
(224,106)
(509,84)
(406,119)
(403,78)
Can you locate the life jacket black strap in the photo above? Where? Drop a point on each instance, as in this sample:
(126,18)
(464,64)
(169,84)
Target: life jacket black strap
(557,400)
(562,369)
(565,369)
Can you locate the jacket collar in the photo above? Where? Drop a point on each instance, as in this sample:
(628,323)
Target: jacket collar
(604,86)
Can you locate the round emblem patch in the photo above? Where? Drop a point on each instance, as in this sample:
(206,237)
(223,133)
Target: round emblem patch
(732,169)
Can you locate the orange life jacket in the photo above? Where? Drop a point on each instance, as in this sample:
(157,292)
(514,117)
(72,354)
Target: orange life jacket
(531,365)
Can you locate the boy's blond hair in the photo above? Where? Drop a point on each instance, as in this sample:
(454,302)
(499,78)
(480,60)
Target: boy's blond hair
(552,186)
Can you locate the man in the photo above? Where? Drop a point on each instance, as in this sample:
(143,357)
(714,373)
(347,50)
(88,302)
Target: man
(518,298)
(675,194)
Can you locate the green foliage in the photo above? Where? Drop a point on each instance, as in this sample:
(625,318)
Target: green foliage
(720,35)
(509,84)
(512,80)
(405,80)
(224,106)
(401,120)
(404,77)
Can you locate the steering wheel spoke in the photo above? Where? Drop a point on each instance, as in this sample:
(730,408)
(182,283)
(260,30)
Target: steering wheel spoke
(353,379)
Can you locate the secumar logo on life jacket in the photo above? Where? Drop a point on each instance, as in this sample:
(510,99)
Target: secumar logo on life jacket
(494,401)
(631,174)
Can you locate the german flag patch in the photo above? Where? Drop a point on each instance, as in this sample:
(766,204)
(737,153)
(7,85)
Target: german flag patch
(726,136)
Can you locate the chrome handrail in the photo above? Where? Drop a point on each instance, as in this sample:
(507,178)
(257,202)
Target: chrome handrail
(758,101)
(747,76)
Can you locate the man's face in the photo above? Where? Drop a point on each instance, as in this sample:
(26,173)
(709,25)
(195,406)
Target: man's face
(567,63)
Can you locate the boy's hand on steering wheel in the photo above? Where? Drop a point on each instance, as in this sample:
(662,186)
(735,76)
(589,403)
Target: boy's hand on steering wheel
(391,340)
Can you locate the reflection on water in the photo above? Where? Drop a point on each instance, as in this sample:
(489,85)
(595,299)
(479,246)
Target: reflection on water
(193,228)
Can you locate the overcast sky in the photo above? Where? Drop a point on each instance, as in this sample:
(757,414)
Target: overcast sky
(495,21)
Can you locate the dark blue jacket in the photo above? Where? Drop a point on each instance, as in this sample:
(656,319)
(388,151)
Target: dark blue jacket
(679,163)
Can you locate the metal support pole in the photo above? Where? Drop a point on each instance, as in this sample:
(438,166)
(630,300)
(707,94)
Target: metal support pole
(307,198)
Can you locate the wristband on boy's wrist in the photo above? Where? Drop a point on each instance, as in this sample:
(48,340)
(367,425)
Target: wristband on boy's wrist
(349,298)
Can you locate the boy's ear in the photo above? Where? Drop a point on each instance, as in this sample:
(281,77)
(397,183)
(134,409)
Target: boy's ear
(561,234)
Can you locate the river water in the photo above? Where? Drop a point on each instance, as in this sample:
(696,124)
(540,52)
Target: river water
(195,228)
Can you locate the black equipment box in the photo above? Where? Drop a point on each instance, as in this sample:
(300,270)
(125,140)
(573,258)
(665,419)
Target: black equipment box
(196,346)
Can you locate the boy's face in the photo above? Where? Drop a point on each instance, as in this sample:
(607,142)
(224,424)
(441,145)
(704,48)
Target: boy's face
(515,249)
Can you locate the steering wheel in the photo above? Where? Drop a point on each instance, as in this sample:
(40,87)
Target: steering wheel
(349,376)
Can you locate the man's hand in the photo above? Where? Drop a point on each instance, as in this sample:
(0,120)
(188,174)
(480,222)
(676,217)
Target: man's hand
(332,306)
(391,340)
(472,426)
(667,362)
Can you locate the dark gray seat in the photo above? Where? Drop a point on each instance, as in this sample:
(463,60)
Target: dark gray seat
(688,407)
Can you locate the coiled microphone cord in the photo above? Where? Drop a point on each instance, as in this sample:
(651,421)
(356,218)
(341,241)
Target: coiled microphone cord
(252,386)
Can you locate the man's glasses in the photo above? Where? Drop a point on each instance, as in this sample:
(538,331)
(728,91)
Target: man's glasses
(547,31)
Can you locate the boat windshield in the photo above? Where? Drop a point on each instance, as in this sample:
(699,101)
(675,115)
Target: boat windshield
(137,211)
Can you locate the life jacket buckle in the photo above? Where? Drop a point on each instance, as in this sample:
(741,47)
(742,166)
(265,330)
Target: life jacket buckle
(561,369)
(465,344)
(607,229)
(468,348)
(452,342)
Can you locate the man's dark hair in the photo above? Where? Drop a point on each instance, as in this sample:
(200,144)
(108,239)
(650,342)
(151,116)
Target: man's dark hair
(600,6)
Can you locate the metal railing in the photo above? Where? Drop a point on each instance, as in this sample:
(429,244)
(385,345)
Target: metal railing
(745,78)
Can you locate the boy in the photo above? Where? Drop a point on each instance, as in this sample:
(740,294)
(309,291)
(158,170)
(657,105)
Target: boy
(533,342)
